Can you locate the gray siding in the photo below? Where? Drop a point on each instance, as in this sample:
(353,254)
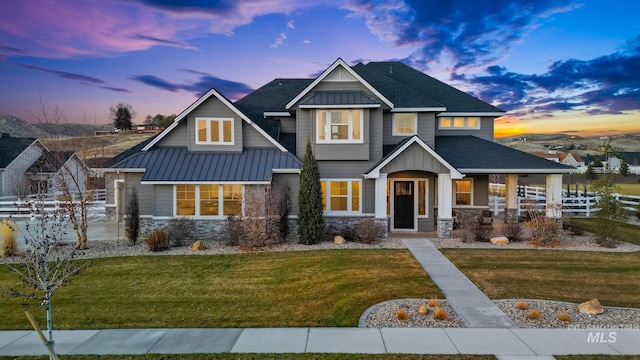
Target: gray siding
(414,158)
(178,137)
(131,180)
(426,129)
(288,125)
(163,200)
(368,196)
(481,190)
(293,182)
(485,131)
(251,137)
(342,151)
(213,107)
(426,224)
(303,130)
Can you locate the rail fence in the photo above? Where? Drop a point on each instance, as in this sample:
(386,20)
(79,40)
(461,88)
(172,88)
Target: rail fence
(577,203)
(19,207)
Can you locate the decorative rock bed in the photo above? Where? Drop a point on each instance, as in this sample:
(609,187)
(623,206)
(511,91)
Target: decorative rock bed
(384,315)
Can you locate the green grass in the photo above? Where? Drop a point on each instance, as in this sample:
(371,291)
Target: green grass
(628,232)
(306,288)
(575,276)
(236,356)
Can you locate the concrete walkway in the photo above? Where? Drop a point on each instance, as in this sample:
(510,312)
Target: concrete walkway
(473,306)
(505,343)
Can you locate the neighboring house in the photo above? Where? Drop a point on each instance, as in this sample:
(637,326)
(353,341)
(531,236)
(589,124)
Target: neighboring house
(391,142)
(569,159)
(28,167)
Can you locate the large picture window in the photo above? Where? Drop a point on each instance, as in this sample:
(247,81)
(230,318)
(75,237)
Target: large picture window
(463,192)
(341,195)
(217,131)
(458,122)
(208,199)
(404,124)
(339,126)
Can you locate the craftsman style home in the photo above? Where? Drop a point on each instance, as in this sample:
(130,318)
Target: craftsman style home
(391,142)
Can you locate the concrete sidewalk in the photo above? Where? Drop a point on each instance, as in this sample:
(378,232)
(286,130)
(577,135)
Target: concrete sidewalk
(505,343)
(473,306)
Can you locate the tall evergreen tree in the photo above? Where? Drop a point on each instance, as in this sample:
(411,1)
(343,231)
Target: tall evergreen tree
(121,115)
(310,217)
(624,166)
(132,221)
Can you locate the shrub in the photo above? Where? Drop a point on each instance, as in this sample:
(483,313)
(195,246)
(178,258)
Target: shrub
(534,314)
(284,208)
(348,232)
(367,230)
(514,231)
(610,210)
(180,229)
(402,314)
(522,305)
(233,230)
(478,231)
(9,232)
(546,231)
(576,227)
(564,316)
(433,303)
(158,240)
(422,310)
(132,220)
(310,214)
(440,314)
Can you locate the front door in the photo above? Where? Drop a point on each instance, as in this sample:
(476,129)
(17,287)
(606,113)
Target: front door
(403,204)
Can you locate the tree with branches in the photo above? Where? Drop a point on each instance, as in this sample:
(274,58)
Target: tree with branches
(46,264)
(122,115)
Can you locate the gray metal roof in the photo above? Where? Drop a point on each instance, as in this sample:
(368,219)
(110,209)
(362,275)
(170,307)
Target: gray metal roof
(338,98)
(178,164)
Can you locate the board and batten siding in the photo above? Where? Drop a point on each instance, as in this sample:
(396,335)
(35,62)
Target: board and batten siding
(415,158)
(214,108)
(485,132)
(426,129)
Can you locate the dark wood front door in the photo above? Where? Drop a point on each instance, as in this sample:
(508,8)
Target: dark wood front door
(403,204)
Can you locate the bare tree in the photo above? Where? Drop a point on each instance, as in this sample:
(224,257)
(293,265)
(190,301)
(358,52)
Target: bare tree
(66,174)
(46,264)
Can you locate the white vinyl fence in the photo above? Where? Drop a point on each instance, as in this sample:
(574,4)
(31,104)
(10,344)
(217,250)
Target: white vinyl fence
(12,206)
(577,203)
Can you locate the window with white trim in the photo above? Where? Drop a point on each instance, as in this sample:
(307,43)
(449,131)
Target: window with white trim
(404,124)
(208,199)
(422,198)
(341,196)
(463,192)
(215,131)
(339,126)
(458,122)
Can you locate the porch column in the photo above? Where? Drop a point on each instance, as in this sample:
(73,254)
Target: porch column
(554,196)
(511,198)
(445,220)
(381,197)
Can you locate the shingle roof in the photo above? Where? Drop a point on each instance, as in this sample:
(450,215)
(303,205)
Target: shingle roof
(472,153)
(273,96)
(178,164)
(11,147)
(339,98)
(393,78)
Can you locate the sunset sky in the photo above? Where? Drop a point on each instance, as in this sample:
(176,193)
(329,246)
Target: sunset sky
(554,66)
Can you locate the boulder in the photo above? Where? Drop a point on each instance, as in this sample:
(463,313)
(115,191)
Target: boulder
(591,307)
(198,246)
(339,240)
(499,240)
(422,310)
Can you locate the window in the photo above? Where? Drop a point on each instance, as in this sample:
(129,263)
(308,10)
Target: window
(340,195)
(458,122)
(214,131)
(422,198)
(464,192)
(339,126)
(404,124)
(208,199)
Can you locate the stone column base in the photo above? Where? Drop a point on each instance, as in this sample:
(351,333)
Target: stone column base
(445,228)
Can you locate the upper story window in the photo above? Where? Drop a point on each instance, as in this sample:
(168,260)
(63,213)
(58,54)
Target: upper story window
(339,126)
(217,131)
(405,124)
(458,122)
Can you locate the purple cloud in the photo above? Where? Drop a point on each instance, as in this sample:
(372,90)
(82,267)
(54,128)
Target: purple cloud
(231,89)
(115,89)
(65,75)
(165,42)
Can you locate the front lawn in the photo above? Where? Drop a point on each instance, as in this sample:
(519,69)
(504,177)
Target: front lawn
(303,288)
(575,276)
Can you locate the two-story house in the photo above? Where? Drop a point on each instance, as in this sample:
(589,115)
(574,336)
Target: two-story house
(392,143)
